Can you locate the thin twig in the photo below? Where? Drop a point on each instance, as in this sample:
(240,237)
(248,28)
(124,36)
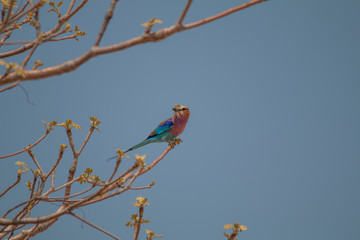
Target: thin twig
(94,226)
(91,130)
(46,36)
(12,185)
(13,208)
(10,86)
(16,42)
(61,153)
(71,5)
(21,9)
(66,184)
(222,14)
(76,154)
(63,38)
(117,192)
(81,5)
(37,23)
(118,161)
(35,161)
(32,187)
(6,21)
(156,161)
(27,95)
(32,231)
(71,196)
(28,147)
(106,21)
(38,4)
(140,188)
(6,36)
(183,14)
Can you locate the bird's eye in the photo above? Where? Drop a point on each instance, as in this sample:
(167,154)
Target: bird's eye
(183,109)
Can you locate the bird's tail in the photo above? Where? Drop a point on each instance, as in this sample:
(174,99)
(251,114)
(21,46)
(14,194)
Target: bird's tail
(111,158)
(143,143)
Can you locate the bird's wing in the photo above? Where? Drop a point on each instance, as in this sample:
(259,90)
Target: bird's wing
(163,127)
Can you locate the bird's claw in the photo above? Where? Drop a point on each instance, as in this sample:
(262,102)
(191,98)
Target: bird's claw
(175,142)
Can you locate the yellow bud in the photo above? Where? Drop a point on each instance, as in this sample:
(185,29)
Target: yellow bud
(243,228)
(227,226)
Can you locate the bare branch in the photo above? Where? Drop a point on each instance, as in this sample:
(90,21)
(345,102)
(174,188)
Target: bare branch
(13,208)
(71,141)
(21,9)
(61,153)
(16,42)
(14,19)
(51,199)
(156,161)
(10,86)
(71,5)
(118,161)
(140,188)
(183,14)
(18,50)
(46,221)
(5,37)
(12,185)
(222,14)
(5,23)
(138,223)
(31,232)
(66,184)
(91,130)
(71,65)
(63,38)
(106,21)
(28,147)
(35,161)
(94,226)
(80,6)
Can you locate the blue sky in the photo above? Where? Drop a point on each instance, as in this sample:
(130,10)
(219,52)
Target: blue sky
(273,140)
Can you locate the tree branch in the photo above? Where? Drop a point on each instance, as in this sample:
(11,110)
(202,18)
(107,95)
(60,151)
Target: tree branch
(138,224)
(186,9)
(106,21)
(28,147)
(71,65)
(94,226)
(222,14)
(12,185)
(6,21)
(35,161)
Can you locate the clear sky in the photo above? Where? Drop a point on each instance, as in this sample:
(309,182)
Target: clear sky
(273,140)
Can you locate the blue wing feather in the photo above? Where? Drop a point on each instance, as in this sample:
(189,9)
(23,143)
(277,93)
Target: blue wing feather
(163,127)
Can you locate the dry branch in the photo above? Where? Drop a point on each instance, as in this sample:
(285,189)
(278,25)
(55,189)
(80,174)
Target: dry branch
(30,146)
(94,51)
(11,186)
(115,185)
(22,225)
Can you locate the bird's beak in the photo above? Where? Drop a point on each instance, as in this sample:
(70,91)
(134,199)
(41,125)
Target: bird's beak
(174,109)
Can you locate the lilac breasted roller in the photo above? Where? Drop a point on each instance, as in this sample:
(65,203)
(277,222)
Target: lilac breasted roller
(168,129)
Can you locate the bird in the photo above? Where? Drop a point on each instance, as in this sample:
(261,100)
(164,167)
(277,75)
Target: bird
(168,129)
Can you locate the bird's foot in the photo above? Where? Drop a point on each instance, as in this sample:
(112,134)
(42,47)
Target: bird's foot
(175,142)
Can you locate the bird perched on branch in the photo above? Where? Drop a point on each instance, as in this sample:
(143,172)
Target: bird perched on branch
(168,129)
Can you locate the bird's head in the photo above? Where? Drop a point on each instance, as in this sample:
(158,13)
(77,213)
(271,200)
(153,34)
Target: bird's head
(180,110)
